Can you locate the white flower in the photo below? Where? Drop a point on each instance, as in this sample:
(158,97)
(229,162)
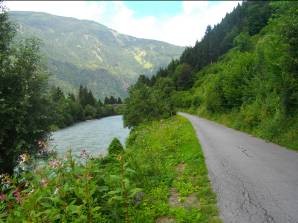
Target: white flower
(23,158)
(54,163)
(56,190)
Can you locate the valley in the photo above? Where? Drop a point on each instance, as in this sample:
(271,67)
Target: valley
(82,52)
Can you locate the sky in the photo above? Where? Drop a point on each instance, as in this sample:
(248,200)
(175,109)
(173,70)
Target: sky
(175,22)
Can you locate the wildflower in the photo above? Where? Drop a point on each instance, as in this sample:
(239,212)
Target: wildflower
(56,190)
(41,144)
(2,197)
(23,158)
(5,179)
(17,195)
(54,163)
(44,182)
(84,154)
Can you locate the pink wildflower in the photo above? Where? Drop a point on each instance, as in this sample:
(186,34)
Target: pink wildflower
(55,163)
(17,195)
(84,154)
(2,197)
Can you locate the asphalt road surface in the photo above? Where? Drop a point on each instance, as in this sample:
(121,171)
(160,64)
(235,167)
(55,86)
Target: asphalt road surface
(255,181)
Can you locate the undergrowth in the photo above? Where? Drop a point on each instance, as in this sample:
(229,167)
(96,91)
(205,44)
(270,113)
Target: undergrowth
(131,185)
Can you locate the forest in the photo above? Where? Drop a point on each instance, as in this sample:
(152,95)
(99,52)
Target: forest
(243,73)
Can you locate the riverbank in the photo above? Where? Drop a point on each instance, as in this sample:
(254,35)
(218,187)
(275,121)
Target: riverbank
(103,112)
(161,177)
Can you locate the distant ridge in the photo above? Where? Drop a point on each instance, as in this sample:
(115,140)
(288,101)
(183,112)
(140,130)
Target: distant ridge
(89,53)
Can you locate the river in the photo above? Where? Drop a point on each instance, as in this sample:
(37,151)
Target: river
(94,136)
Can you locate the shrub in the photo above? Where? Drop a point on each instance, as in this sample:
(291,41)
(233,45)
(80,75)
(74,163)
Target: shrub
(115,147)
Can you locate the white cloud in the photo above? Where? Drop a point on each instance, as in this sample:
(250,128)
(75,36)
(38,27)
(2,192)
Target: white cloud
(182,29)
(190,7)
(77,9)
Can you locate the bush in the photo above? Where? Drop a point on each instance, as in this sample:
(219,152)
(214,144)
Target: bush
(115,147)
(66,190)
(182,99)
(196,101)
(90,112)
(146,103)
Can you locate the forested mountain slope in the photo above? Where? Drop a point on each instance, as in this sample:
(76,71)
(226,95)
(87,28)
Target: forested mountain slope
(243,73)
(88,53)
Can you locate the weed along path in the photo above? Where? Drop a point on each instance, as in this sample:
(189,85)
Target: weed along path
(170,169)
(255,181)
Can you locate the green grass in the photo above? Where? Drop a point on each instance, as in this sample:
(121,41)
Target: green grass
(128,186)
(155,150)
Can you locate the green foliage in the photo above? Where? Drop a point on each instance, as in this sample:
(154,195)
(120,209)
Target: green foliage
(85,97)
(156,151)
(69,191)
(257,16)
(214,98)
(24,111)
(112,100)
(115,148)
(71,109)
(243,42)
(256,90)
(146,104)
(249,18)
(183,77)
(89,112)
(182,99)
(131,186)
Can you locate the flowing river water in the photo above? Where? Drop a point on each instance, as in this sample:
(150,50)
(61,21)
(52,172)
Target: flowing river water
(94,136)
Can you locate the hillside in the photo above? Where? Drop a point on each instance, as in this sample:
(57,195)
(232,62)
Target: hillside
(88,53)
(243,74)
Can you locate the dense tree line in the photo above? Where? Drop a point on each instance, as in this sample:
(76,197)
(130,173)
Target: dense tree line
(112,100)
(69,109)
(244,21)
(250,18)
(245,67)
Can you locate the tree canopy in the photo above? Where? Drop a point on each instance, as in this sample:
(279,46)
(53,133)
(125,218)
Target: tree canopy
(24,111)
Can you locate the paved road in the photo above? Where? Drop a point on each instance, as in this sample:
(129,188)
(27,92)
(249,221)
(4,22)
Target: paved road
(255,181)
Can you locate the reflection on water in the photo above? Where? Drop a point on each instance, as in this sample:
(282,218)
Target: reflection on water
(94,136)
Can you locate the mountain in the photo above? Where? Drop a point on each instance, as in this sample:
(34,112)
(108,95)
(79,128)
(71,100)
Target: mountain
(88,53)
